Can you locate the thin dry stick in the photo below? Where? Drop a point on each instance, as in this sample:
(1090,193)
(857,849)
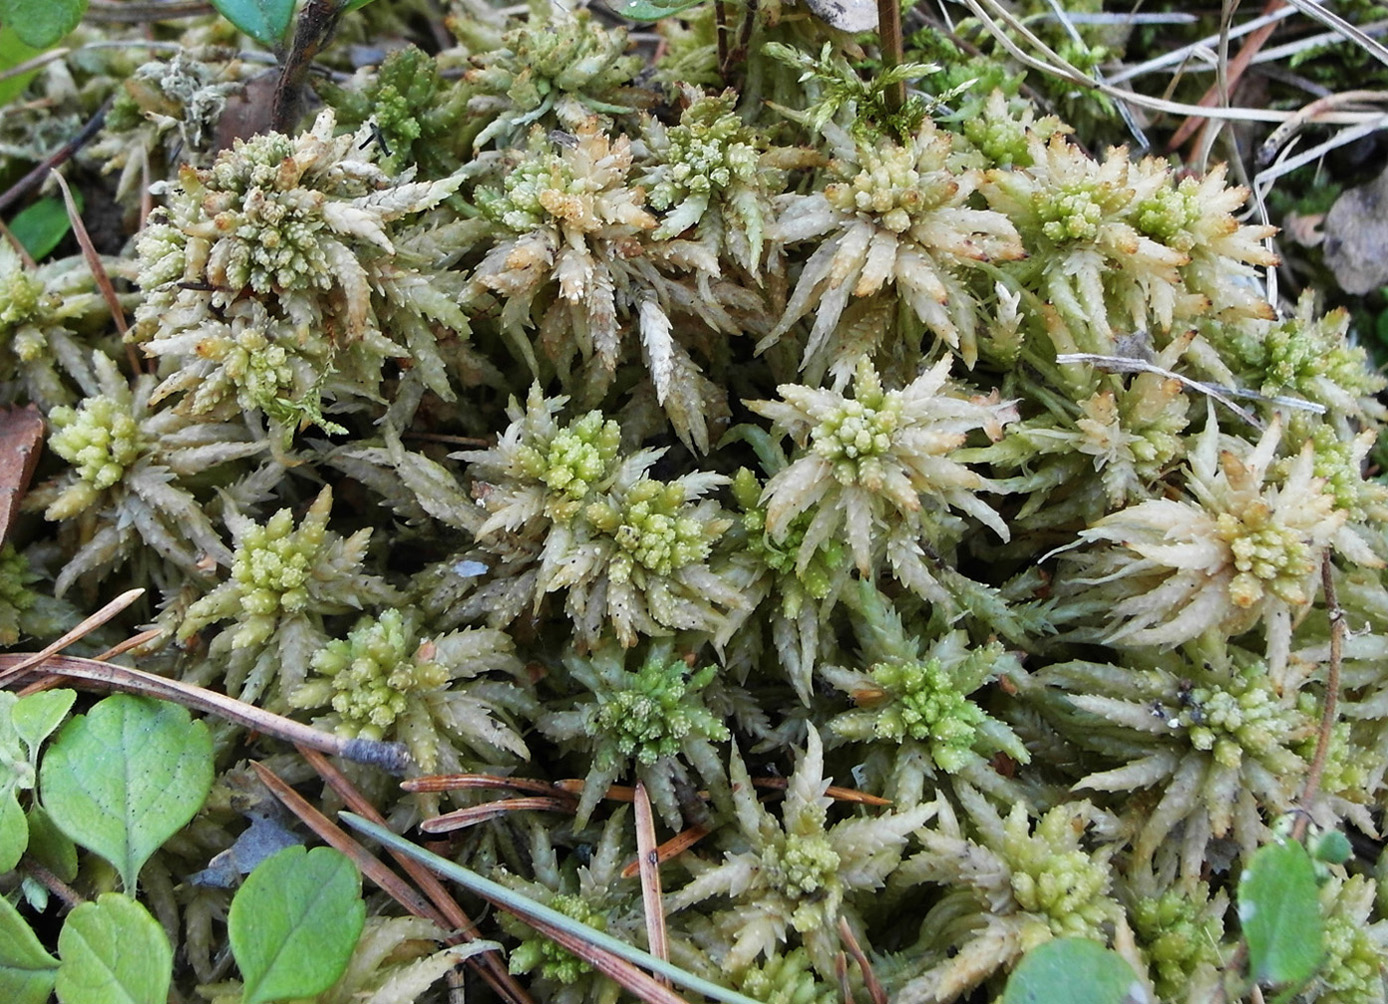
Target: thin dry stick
(458,921)
(332,834)
(889,36)
(314,25)
(1332,698)
(648,860)
(121,12)
(1279,136)
(392,757)
(673,847)
(464,782)
(875,990)
(98,270)
(70,896)
(41,60)
(58,156)
(460,819)
(49,682)
(88,625)
(1182,56)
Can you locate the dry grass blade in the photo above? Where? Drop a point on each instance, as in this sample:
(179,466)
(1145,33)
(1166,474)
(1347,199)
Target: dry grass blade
(472,815)
(1232,71)
(88,625)
(458,921)
(648,860)
(1186,53)
(388,756)
(333,835)
(673,847)
(875,990)
(464,782)
(610,956)
(1338,24)
(1001,20)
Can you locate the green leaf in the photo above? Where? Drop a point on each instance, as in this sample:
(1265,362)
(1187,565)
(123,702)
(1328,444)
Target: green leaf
(26,970)
(1281,915)
(113,952)
(1074,971)
(15,769)
(36,716)
(653,10)
(14,831)
(125,777)
(40,227)
(266,21)
(294,923)
(41,23)
(50,846)
(12,53)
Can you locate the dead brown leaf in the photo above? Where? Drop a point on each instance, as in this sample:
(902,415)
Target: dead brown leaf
(21,442)
(1356,237)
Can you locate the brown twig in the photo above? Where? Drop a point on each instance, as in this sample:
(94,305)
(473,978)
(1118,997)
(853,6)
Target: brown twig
(392,757)
(889,35)
(125,12)
(464,782)
(474,814)
(458,921)
(673,847)
(88,625)
(70,896)
(333,835)
(1332,698)
(875,990)
(314,26)
(720,30)
(648,860)
(58,156)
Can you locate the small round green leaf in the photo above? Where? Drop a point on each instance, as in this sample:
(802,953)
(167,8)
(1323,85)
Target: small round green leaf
(26,970)
(266,21)
(14,830)
(125,777)
(294,923)
(113,952)
(654,10)
(41,23)
(1281,916)
(36,716)
(1074,971)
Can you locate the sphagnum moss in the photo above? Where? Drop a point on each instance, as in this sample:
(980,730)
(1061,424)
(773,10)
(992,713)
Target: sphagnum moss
(765,473)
